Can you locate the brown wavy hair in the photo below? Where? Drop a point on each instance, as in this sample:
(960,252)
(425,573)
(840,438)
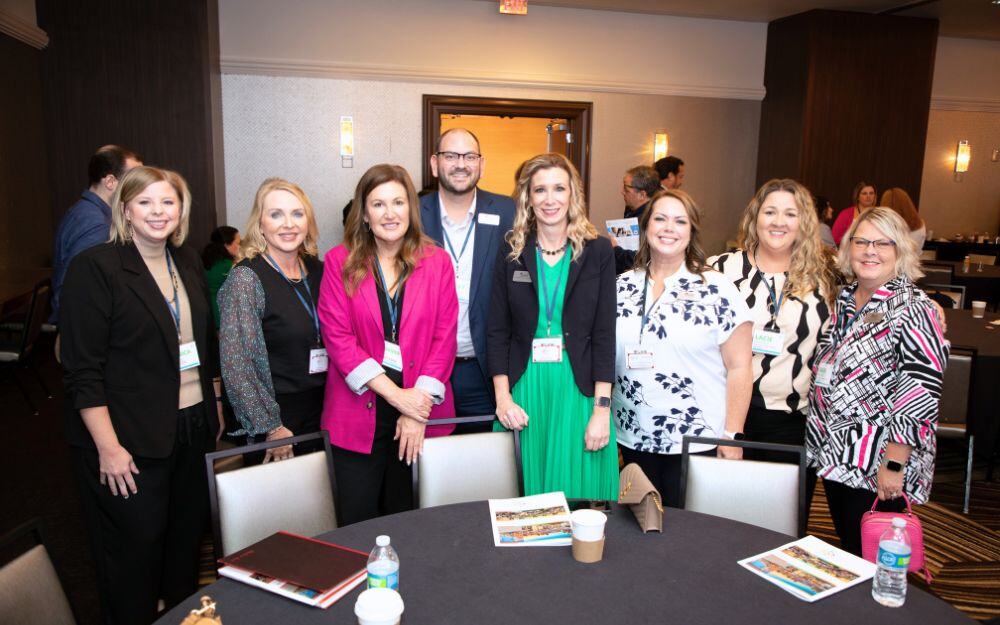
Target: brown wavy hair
(811,267)
(359,239)
(253,243)
(694,255)
(857,191)
(580,228)
(899,200)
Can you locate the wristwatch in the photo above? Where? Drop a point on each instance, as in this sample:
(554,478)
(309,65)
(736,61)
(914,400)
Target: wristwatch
(602,402)
(736,436)
(893,466)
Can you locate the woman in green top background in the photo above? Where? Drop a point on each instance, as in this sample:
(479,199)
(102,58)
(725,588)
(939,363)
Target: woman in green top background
(551,335)
(218,258)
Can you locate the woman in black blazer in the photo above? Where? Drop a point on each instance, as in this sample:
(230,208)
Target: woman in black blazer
(141,406)
(551,335)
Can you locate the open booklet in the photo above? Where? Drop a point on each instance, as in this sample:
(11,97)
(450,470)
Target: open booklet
(535,521)
(626,231)
(810,569)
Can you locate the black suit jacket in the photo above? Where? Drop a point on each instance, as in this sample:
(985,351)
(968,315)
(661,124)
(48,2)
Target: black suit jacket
(119,347)
(588,314)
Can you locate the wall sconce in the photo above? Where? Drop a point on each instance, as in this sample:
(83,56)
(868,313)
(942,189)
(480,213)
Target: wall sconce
(347,141)
(514,7)
(995,157)
(962,156)
(661,143)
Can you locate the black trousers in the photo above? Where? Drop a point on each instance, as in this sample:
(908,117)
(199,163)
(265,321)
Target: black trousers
(663,470)
(777,426)
(375,484)
(473,396)
(146,547)
(848,505)
(300,413)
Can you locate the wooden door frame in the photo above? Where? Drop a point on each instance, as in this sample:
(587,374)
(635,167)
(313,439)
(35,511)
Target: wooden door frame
(578,116)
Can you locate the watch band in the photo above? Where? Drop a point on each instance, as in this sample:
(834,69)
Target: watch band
(736,436)
(893,466)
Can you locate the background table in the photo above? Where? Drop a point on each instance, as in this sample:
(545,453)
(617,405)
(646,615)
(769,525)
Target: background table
(979,285)
(957,250)
(984,397)
(450,572)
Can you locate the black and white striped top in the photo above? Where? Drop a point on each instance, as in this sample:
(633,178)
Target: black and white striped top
(780,382)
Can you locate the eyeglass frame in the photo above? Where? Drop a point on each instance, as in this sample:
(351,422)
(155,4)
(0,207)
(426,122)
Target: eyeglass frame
(881,245)
(459,156)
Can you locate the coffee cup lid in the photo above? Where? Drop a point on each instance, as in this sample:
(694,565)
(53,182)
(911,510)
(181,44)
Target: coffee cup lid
(378,604)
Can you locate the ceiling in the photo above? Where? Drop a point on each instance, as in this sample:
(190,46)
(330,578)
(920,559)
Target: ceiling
(978,19)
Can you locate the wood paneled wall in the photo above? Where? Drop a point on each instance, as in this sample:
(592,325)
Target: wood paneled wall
(848,97)
(139,74)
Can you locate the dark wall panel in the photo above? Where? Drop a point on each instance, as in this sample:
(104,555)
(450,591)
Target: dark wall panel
(138,74)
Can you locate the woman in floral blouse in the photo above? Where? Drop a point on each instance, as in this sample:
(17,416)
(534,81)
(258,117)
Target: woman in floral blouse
(683,361)
(876,379)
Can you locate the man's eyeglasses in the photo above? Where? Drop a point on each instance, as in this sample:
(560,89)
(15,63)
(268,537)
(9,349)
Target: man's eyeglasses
(881,245)
(453,157)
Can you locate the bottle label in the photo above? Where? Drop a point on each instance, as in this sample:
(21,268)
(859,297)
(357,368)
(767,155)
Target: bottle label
(892,560)
(390,580)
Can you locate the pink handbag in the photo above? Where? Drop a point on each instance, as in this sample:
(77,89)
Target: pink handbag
(873,524)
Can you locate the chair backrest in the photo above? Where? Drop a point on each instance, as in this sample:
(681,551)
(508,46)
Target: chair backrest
(954,407)
(468,467)
(36,316)
(766,494)
(985,259)
(295,495)
(954,292)
(928,254)
(30,590)
(937,274)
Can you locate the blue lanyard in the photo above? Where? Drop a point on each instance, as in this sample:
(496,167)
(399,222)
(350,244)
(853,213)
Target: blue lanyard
(309,305)
(773,297)
(642,305)
(550,302)
(391,302)
(174,304)
(447,241)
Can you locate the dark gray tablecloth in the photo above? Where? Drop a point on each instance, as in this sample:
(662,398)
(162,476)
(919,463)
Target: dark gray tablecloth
(964,331)
(979,285)
(450,572)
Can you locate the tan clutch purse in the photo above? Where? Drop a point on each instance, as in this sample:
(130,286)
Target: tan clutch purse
(639,494)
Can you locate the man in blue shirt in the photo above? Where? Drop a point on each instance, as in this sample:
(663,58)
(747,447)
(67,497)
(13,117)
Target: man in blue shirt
(88,222)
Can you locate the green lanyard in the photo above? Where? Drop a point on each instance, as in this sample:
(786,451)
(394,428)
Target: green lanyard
(550,301)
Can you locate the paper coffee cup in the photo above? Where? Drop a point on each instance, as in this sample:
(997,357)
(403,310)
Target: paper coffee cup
(588,551)
(588,525)
(978,309)
(379,606)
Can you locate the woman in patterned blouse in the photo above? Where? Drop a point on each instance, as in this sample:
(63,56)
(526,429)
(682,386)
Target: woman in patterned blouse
(877,379)
(682,347)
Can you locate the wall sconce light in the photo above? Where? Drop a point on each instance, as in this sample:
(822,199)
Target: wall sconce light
(661,143)
(514,7)
(995,157)
(347,141)
(962,156)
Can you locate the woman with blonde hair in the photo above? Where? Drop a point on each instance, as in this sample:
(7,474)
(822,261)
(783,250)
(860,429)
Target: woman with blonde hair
(139,360)
(551,335)
(788,281)
(863,198)
(389,314)
(899,201)
(273,359)
(877,375)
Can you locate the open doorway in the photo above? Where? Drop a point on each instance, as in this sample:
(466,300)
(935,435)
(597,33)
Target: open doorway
(510,132)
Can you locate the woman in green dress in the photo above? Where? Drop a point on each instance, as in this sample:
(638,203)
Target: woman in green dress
(551,336)
(218,258)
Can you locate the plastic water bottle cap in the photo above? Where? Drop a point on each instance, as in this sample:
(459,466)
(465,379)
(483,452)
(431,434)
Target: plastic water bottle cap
(383,540)
(896,522)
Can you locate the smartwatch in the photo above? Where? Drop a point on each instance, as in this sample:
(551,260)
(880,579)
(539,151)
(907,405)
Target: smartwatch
(736,436)
(602,402)
(893,466)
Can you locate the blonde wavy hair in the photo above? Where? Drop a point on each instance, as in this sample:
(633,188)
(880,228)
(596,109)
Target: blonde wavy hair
(360,241)
(131,186)
(579,230)
(253,242)
(694,255)
(812,267)
(890,224)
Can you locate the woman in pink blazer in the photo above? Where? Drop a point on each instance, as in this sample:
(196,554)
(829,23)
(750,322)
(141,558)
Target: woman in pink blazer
(388,311)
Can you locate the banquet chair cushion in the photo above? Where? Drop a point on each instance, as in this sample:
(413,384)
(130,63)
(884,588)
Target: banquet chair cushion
(467,467)
(30,591)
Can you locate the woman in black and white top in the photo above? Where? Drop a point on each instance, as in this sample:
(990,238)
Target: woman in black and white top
(788,281)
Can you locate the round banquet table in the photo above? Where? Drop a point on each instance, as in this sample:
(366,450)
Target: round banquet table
(984,396)
(979,285)
(450,572)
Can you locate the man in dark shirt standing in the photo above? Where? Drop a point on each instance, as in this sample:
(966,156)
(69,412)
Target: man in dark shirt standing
(671,172)
(88,222)
(638,186)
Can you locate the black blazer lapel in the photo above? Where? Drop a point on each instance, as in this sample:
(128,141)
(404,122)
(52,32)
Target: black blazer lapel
(484,242)
(574,269)
(192,278)
(430,211)
(141,282)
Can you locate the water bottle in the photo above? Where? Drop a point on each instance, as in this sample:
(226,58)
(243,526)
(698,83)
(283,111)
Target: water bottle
(383,565)
(965,264)
(889,585)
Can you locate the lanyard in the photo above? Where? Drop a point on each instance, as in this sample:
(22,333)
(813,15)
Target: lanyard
(174,304)
(451,250)
(391,302)
(309,305)
(642,306)
(774,298)
(550,302)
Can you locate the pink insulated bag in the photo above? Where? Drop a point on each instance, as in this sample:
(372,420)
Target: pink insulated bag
(873,524)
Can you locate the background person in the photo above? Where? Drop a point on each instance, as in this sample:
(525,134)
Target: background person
(389,314)
(218,257)
(138,357)
(671,172)
(824,213)
(683,348)
(551,339)
(273,360)
(876,379)
(863,197)
(638,185)
(899,201)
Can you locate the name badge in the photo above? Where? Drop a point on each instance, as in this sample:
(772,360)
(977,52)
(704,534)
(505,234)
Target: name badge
(638,357)
(189,356)
(393,356)
(824,375)
(768,341)
(463,287)
(873,317)
(547,349)
(319,362)
(489,219)
(689,296)
(522,276)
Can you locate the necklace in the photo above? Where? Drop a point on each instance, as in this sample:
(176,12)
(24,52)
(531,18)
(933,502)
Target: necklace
(552,252)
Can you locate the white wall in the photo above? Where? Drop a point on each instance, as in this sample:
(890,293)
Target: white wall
(966,75)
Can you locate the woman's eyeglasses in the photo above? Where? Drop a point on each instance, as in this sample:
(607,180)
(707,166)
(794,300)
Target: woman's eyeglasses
(881,245)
